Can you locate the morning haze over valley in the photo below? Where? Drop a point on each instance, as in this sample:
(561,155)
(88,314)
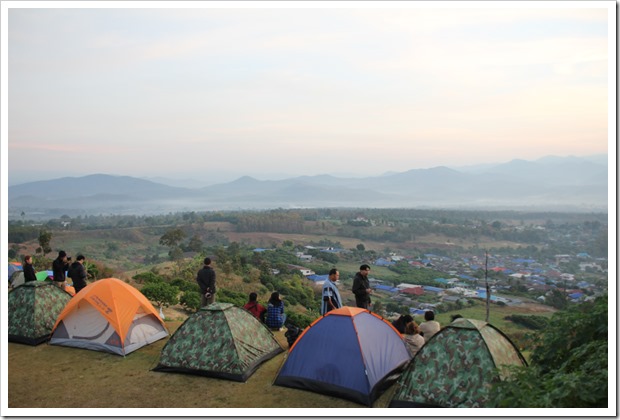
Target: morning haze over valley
(552,183)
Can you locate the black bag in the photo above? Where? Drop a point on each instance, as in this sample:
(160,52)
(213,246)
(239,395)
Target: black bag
(291,334)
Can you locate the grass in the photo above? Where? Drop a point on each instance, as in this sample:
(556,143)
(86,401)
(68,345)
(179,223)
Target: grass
(49,376)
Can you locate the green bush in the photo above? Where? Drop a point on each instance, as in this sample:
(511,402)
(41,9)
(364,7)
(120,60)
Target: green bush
(148,277)
(300,320)
(191,300)
(533,322)
(568,366)
(186,286)
(236,298)
(163,294)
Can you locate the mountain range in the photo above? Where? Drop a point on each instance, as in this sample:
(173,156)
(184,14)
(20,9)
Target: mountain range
(575,184)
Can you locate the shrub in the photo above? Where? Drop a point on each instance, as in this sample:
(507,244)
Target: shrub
(533,322)
(229,296)
(148,277)
(569,365)
(186,286)
(163,294)
(191,300)
(299,320)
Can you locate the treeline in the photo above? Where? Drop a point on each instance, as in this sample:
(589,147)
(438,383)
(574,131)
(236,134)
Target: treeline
(273,221)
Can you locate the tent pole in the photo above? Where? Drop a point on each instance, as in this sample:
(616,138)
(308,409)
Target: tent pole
(486,280)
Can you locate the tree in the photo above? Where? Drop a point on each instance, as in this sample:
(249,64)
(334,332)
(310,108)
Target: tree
(568,366)
(45,237)
(360,247)
(172,238)
(195,244)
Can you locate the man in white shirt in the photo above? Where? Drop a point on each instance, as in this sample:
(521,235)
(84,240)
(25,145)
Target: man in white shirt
(331,296)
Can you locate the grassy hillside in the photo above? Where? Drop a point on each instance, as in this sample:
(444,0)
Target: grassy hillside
(77,378)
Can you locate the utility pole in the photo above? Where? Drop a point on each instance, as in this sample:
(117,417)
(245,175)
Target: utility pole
(486,280)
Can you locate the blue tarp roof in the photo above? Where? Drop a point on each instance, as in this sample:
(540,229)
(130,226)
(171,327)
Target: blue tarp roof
(483,295)
(432,289)
(382,262)
(416,311)
(386,288)
(441,280)
(523,261)
(317,277)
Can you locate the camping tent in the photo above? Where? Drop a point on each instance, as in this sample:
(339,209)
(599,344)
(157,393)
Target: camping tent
(13,267)
(17,278)
(220,340)
(32,311)
(457,367)
(108,315)
(349,353)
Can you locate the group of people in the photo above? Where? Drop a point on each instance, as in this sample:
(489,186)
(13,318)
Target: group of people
(273,315)
(416,335)
(61,267)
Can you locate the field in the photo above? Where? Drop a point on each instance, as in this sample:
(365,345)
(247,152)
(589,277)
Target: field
(77,378)
(49,376)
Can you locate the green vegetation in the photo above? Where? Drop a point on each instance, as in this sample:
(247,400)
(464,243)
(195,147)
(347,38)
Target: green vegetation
(568,365)
(161,255)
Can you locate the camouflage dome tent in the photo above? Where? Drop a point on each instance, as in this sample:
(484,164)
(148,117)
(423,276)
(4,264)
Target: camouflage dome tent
(457,367)
(17,278)
(220,340)
(32,309)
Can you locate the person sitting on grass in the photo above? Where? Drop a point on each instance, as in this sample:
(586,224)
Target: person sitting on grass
(413,339)
(402,322)
(255,308)
(429,327)
(275,312)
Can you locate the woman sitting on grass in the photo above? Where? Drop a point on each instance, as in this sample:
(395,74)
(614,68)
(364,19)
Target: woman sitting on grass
(275,312)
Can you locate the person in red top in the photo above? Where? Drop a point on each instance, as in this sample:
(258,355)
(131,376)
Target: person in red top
(255,308)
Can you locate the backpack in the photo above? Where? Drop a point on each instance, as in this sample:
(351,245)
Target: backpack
(291,334)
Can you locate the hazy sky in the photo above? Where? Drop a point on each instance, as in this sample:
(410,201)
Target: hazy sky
(217,93)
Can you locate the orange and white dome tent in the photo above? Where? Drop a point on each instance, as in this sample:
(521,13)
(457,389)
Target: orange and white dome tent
(108,315)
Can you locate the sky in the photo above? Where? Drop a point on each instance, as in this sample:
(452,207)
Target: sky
(273,90)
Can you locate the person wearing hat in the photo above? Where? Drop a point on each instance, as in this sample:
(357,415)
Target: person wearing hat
(60,266)
(206,281)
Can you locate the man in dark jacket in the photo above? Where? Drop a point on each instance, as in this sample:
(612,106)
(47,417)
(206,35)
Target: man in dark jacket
(59,266)
(78,274)
(206,281)
(361,287)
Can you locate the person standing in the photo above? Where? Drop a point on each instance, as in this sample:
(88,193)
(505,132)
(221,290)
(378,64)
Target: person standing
(59,266)
(361,287)
(29,273)
(331,296)
(78,273)
(206,281)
